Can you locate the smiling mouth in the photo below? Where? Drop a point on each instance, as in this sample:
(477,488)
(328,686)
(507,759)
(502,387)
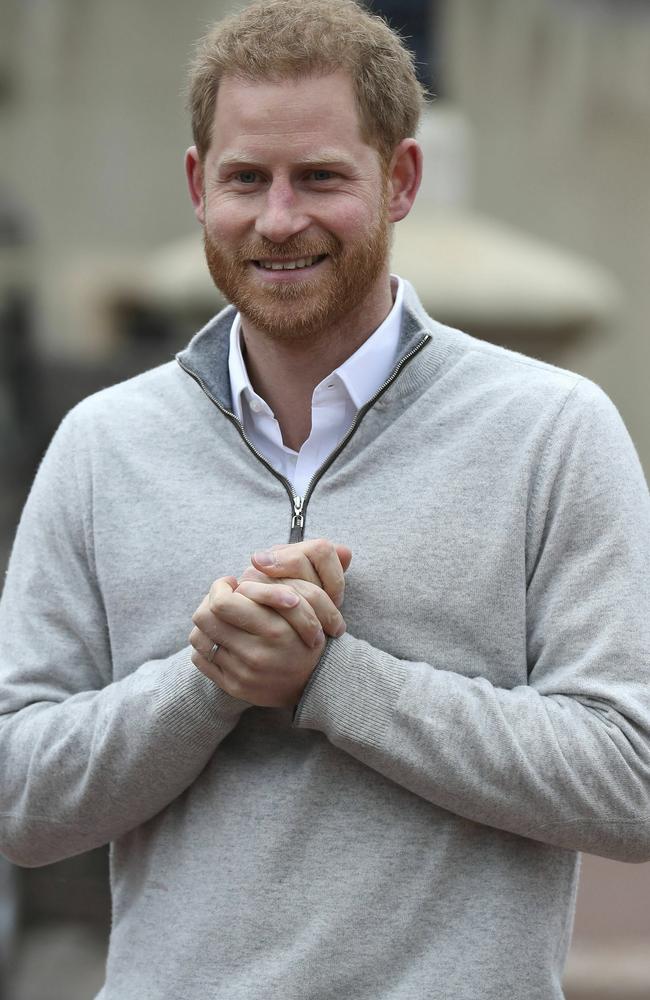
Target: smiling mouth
(289,265)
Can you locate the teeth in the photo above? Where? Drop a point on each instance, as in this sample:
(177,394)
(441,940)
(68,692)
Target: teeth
(289,265)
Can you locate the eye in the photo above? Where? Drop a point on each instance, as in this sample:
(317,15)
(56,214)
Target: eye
(322,175)
(247,176)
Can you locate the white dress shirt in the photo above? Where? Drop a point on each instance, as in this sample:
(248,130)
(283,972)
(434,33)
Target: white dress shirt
(334,403)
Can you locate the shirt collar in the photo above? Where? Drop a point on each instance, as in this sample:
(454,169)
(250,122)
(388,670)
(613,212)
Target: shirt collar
(240,384)
(369,367)
(361,374)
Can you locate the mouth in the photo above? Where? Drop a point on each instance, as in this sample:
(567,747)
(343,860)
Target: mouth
(297,264)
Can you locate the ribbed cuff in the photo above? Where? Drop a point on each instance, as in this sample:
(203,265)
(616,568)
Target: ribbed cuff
(353,693)
(191,705)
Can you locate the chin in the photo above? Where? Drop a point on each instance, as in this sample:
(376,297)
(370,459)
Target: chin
(299,318)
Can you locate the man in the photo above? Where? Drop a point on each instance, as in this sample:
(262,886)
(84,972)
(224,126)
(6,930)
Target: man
(298,810)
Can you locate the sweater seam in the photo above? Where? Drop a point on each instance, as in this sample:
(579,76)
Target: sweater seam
(541,472)
(85,509)
(38,818)
(89,547)
(640,818)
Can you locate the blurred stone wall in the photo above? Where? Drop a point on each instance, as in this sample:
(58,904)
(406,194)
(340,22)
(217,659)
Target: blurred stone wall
(93,130)
(558,94)
(96,117)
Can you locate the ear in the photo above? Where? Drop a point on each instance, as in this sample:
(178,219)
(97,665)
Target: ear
(404,177)
(194,174)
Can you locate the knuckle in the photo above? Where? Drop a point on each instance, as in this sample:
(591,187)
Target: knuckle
(275,631)
(321,547)
(216,603)
(327,610)
(335,622)
(316,634)
(310,591)
(312,620)
(257,660)
(237,615)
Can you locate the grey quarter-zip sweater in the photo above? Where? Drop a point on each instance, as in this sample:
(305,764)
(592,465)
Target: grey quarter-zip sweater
(412,830)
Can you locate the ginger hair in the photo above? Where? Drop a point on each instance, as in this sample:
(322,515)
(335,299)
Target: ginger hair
(279,40)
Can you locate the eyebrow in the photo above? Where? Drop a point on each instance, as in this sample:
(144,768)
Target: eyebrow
(326,157)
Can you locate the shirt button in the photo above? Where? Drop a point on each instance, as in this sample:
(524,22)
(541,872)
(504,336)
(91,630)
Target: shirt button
(256,406)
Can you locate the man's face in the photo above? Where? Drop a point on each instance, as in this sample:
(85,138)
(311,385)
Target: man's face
(289,180)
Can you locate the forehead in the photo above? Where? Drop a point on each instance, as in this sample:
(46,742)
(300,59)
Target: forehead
(297,115)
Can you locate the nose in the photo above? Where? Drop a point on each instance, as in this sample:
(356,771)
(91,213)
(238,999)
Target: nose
(282,215)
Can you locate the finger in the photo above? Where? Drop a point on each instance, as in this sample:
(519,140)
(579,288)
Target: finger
(293,608)
(344,552)
(210,668)
(329,616)
(250,573)
(256,575)
(226,607)
(315,561)
(202,647)
(225,670)
(270,593)
(219,591)
(227,638)
(326,611)
(222,587)
(288,561)
(237,649)
(202,643)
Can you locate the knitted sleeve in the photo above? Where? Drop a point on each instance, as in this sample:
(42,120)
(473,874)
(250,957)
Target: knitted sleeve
(565,758)
(83,759)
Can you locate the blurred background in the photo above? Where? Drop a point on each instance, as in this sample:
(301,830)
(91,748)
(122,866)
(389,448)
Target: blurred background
(532,230)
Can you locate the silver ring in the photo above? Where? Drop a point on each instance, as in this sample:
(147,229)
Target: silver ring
(213,652)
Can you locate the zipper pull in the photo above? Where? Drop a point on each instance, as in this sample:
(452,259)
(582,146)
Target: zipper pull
(297,521)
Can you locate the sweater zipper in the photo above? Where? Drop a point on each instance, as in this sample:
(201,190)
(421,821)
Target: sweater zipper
(299,503)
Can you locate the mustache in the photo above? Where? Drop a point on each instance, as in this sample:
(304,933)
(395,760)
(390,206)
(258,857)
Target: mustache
(291,249)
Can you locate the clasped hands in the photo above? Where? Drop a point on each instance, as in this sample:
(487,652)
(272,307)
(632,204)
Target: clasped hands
(272,624)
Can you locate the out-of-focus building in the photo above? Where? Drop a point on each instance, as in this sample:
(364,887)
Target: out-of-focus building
(558,96)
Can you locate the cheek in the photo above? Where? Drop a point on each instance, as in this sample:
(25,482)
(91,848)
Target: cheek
(349,221)
(229,219)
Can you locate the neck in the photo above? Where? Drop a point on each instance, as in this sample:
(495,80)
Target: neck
(285,373)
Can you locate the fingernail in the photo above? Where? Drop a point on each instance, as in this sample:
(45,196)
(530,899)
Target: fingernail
(264,558)
(320,638)
(342,629)
(289,600)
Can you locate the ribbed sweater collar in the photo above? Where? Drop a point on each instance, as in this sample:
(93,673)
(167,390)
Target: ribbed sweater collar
(206,356)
